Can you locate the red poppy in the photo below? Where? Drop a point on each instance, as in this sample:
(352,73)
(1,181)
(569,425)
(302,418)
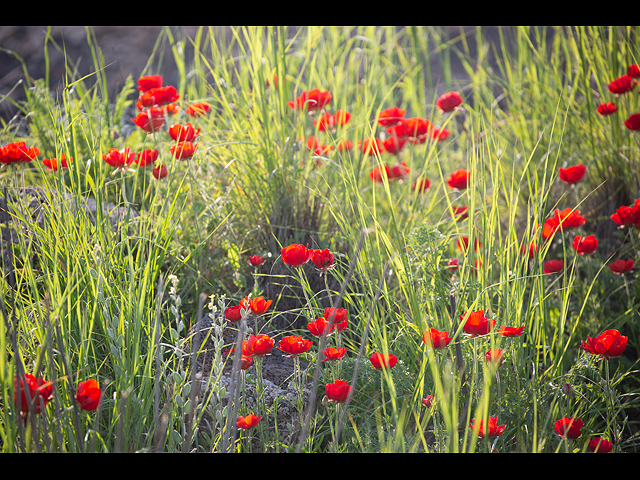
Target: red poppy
(259,305)
(449,101)
(245,362)
(149,120)
(233,314)
(248,422)
(119,159)
(415,127)
(88,395)
(52,163)
(158,96)
(494,357)
(493,429)
(463,243)
(400,170)
(146,157)
(627,215)
(453,264)
(149,82)
(477,324)
(38,390)
(621,266)
(338,391)
(319,327)
(569,218)
(371,146)
(257,345)
(436,339)
(633,122)
(294,346)
(256,260)
(381,361)
(609,344)
(313,100)
(572,174)
(600,445)
(393,144)
(421,184)
(553,266)
(183,150)
(296,255)
(338,317)
(606,109)
(333,353)
(622,84)
(323,260)
(440,134)
(428,401)
(459,179)
(18,152)
(160,171)
(569,427)
(586,245)
(183,133)
(380,172)
(633,70)
(529,251)
(329,121)
(345,145)
(510,331)
(198,109)
(391,116)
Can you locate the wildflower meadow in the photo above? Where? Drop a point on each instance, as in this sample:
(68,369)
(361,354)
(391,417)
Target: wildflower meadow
(313,241)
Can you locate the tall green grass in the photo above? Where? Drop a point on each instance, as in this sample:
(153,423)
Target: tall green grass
(117,305)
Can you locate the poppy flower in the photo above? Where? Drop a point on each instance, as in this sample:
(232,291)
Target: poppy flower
(391,116)
(440,134)
(259,305)
(633,70)
(338,317)
(569,218)
(449,101)
(333,353)
(529,251)
(257,345)
(627,215)
(569,427)
(621,266)
(338,391)
(393,144)
(149,82)
(160,171)
(183,133)
(477,324)
(149,120)
(436,339)
(158,96)
(323,260)
(600,445)
(428,401)
(572,174)
(380,172)
(453,264)
(606,109)
(313,100)
(463,243)
(633,122)
(198,109)
(294,346)
(400,170)
(421,184)
(622,84)
(233,314)
(256,260)
(586,245)
(146,157)
(494,357)
(37,388)
(493,429)
(381,361)
(609,344)
(415,127)
(460,213)
(88,395)
(459,179)
(17,152)
(119,159)
(183,150)
(553,266)
(510,331)
(248,422)
(345,145)
(319,327)
(53,165)
(296,255)
(371,146)
(328,122)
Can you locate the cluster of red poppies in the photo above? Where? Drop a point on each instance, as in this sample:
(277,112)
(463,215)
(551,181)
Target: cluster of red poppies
(620,86)
(31,394)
